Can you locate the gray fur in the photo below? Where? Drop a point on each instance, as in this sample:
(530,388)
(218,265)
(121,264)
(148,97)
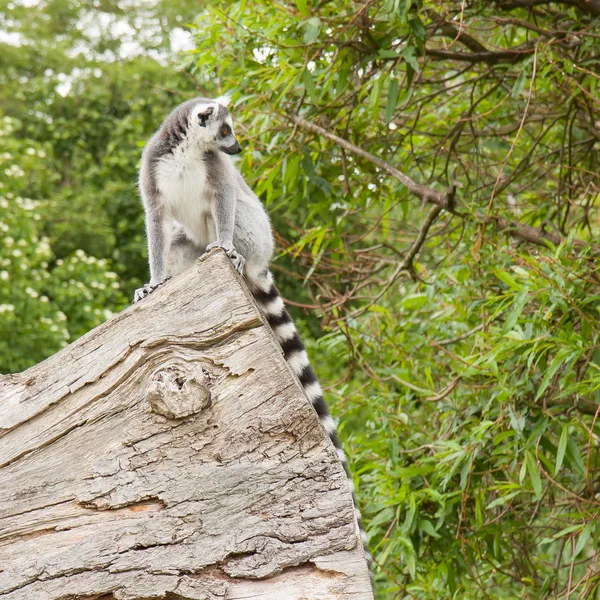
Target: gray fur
(191,188)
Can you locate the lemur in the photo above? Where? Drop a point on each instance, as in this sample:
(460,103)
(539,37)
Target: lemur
(195,199)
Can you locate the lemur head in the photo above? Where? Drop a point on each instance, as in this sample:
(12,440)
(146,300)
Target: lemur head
(214,126)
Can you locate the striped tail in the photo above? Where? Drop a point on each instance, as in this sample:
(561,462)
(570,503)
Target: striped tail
(269,301)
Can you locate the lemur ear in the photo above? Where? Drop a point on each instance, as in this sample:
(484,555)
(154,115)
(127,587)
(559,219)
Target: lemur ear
(224,100)
(204,113)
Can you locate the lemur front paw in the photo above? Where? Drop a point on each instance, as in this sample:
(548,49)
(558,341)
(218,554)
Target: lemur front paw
(237,260)
(146,290)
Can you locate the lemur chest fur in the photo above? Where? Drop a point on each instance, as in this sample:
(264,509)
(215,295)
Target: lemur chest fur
(182,180)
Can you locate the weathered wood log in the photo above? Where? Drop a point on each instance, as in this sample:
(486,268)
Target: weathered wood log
(171,453)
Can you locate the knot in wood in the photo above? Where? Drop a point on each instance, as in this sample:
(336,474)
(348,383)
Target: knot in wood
(174,392)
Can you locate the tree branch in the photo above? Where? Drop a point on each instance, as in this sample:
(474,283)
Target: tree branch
(450,30)
(407,262)
(591,7)
(445,200)
(420,191)
(582,405)
(523,232)
(445,392)
(512,56)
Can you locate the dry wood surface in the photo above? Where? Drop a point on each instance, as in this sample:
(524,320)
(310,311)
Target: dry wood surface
(171,453)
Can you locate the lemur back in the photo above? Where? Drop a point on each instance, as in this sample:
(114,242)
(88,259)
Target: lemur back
(196,199)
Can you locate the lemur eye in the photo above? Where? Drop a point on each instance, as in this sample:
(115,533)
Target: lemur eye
(225,130)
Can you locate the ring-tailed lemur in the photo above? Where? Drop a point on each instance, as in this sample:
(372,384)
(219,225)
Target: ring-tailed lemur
(195,199)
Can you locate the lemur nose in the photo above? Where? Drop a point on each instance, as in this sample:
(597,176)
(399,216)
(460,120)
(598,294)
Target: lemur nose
(235,148)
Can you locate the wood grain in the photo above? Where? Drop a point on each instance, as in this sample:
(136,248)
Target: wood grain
(171,453)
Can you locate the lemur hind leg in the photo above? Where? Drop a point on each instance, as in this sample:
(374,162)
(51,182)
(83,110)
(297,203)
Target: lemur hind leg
(182,252)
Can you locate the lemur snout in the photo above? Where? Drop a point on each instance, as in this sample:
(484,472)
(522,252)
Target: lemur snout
(233,149)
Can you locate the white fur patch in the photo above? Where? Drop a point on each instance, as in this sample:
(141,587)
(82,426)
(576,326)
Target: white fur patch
(328,424)
(297,361)
(313,391)
(275,307)
(341,455)
(224,100)
(285,332)
(263,282)
(181,178)
(200,109)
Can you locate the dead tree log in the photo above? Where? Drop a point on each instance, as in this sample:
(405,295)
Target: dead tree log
(170,453)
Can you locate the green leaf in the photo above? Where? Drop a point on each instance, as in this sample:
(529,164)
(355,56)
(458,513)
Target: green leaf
(410,57)
(465,471)
(502,500)
(392,98)
(573,455)
(559,359)
(301,4)
(309,85)
(427,527)
(414,301)
(519,85)
(508,279)
(374,97)
(567,531)
(312,28)
(584,536)
(515,313)
(562,447)
(534,473)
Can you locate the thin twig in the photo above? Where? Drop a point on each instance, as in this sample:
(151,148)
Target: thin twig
(462,336)
(447,390)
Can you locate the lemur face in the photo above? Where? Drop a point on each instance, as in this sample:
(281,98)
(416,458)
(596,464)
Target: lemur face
(215,126)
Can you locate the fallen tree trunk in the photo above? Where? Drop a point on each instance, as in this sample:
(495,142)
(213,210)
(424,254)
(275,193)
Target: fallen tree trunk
(171,453)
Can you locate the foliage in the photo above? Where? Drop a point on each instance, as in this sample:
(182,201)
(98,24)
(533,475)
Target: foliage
(41,308)
(471,389)
(461,317)
(79,102)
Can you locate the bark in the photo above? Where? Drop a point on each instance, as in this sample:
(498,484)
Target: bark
(171,453)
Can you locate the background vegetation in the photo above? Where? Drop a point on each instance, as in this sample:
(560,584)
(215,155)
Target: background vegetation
(431,168)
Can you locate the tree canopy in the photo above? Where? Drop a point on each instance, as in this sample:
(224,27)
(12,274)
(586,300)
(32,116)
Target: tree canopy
(431,170)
